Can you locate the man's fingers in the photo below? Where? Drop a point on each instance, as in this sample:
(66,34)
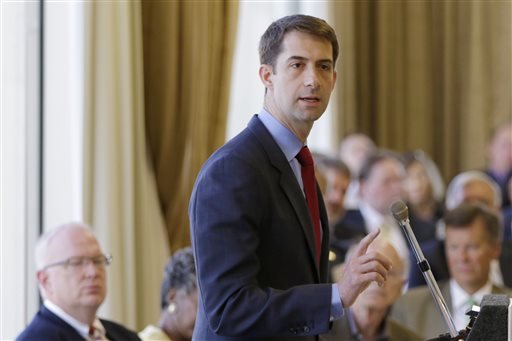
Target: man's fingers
(375,256)
(365,242)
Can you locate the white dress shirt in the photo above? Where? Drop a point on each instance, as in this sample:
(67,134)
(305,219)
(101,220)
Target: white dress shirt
(460,300)
(81,328)
(390,230)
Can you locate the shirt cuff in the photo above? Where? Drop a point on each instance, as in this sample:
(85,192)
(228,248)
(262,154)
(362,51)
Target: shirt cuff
(336,304)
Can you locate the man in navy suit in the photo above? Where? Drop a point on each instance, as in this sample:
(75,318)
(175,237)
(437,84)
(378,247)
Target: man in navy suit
(71,276)
(261,263)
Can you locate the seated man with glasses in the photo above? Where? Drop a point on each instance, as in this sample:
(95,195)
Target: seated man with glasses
(71,272)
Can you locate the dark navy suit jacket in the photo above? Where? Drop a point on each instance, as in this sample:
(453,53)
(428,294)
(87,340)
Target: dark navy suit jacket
(46,326)
(507,223)
(254,246)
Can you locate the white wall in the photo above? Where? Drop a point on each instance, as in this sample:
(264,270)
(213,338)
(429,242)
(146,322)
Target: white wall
(63,112)
(19,163)
(20,143)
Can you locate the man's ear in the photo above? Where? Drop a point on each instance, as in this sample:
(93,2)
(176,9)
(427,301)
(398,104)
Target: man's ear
(266,75)
(43,280)
(334,77)
(496,249)
(171,296)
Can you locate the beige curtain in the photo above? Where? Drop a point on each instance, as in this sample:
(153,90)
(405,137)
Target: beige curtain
(120,197)
(434,75)
(188,48)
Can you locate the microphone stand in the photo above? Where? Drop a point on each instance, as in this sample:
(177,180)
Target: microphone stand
(401,214)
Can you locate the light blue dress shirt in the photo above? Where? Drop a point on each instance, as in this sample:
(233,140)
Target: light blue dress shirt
(291,145)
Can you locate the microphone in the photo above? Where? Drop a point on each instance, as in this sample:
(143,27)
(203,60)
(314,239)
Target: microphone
(401,214)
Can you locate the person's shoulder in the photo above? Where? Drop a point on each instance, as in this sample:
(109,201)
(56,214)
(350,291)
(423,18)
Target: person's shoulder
(351,218)
(398,331)
(416,294)
(46,326)
(153,333)
(118,332)
(501,290)
(38,331)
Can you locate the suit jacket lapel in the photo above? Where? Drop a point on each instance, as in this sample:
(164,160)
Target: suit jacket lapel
(288,183)
(62,325)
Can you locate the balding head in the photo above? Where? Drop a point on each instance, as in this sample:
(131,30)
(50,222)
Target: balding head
(473,186)
(48,242)
(71,270)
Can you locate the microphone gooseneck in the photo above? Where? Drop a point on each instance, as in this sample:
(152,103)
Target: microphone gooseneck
(401,214)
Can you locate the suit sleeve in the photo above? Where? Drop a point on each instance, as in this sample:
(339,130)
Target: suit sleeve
(229,204)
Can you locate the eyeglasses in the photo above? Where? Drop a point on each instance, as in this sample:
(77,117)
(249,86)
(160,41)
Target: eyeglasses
(80,262)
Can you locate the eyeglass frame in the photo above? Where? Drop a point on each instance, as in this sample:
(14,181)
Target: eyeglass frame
(103,260)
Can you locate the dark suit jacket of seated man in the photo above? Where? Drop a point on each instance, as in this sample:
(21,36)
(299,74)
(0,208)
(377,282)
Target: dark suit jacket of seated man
(48,326)
(71,272)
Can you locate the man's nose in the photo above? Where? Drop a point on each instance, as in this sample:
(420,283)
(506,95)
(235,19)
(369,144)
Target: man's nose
(90,268)
(311,77)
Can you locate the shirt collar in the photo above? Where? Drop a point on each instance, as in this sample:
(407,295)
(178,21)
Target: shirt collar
(372,218)
(81,328)
(286,140)
(460,296)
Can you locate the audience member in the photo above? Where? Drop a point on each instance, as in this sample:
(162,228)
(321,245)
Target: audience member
(336,176)
(368,318)
(472,242)
(354,149)
(467,187)
(471,186)
(423,192)
(380,185)
(333,178)
(178,299)
(72,281)
(499,158)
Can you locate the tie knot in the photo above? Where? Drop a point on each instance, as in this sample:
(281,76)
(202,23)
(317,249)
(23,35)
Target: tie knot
(471,301)
(304,157)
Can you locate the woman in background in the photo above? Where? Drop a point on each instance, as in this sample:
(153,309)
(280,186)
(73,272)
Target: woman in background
(424,191)
(178,300)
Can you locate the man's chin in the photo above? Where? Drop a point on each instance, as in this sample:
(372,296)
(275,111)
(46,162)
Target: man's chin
(94,300)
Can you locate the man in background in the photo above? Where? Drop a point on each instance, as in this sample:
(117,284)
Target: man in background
(71,272)
(499,159)
(466,187)
(380,185)
(472,242)
(355,148)
(336,176)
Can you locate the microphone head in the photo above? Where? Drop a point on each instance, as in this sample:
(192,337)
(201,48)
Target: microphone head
(400,210)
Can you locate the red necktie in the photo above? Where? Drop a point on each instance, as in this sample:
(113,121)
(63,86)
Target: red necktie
(308,180)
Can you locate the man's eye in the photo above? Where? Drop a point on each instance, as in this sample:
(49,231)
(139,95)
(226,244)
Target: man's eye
(100,260)
(326,67)
(296,65)
(76,261)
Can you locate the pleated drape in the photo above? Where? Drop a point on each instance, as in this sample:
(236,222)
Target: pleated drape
(188,49)
(434,75)
(120,196)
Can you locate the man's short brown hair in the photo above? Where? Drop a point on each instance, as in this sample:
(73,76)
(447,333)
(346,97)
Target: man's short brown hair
(271,41)
(465,214)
